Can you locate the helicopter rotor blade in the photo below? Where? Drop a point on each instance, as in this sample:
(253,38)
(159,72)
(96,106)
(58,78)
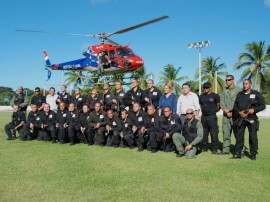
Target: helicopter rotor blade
(139,25)
(61,33)
(113,42)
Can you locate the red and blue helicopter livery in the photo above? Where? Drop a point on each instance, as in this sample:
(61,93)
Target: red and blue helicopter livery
(121,58)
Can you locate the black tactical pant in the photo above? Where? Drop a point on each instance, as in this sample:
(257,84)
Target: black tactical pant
(96,136)
(129,139)
(47,134)
(62,134)
(27,134)
(143,139)
(113,139)
(210,124)
(240,137)
(72,134)
(11,133)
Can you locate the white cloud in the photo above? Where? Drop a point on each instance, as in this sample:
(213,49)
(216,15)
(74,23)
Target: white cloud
(267,2)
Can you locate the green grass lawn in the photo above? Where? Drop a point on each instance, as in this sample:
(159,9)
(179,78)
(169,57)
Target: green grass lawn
(41,171)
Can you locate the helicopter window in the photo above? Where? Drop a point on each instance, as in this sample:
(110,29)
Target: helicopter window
(112,55)
(124,52)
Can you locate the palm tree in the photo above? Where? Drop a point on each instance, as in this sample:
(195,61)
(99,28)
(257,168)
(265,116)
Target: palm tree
(256,62)
(74,77)
(170,75)
(209,69)
(142,77)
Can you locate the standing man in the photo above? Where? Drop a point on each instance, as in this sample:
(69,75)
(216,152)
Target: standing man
(151,95)
(64,97)
(134,95)
(20,99)
(210,105)
(38,99)
(247,104)
(192,135)
(93,99)
(118,103)
(227,100)
(107,97)
(188,100)
(169,125)
(79,100)
(51,99)
(17,122)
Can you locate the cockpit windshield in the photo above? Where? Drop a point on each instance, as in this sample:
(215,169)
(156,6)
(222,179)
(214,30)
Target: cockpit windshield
(124,52)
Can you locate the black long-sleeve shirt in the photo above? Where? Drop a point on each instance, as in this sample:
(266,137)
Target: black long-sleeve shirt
(171,126)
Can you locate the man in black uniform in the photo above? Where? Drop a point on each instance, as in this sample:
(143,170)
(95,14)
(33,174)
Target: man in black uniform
(73,124)
(48,122)
(133,95)
(93,99)
(151,95)
(17,122)
(127,133)
(210,105)
(61,123)
(33,123)
(20,99)
(97,125)
(137,117)
(247,104)
(118,103)
(84,118)
(107,97)
(38,99)
(169,124)
(64,97)
(150,130)
(114,128)
(79,100)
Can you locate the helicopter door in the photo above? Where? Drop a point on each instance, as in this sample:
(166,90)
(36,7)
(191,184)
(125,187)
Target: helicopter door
(112,58)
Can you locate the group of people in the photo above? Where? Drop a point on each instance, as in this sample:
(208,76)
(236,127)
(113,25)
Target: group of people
(146,119)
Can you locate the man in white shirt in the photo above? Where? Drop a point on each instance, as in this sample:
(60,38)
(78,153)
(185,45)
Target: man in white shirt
(188,100)
(51,99)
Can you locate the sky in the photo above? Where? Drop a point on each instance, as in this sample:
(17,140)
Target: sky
(229,25)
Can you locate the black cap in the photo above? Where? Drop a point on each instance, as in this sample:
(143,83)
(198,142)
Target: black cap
(37,89)
(207,85)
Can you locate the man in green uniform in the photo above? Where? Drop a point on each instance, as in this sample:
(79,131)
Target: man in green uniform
(227,100)
(192,135)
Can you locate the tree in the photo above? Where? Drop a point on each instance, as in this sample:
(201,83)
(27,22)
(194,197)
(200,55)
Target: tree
(74,77)
(256,62)
(209,69)
(170,76)
(6,95)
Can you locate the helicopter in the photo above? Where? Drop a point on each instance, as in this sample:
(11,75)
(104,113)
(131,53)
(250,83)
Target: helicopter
(121,59)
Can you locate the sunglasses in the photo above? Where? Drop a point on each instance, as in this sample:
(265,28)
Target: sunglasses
(206,87)
(228,79)
(189,113)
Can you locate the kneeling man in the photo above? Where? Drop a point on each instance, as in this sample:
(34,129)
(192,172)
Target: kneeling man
(192,134)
